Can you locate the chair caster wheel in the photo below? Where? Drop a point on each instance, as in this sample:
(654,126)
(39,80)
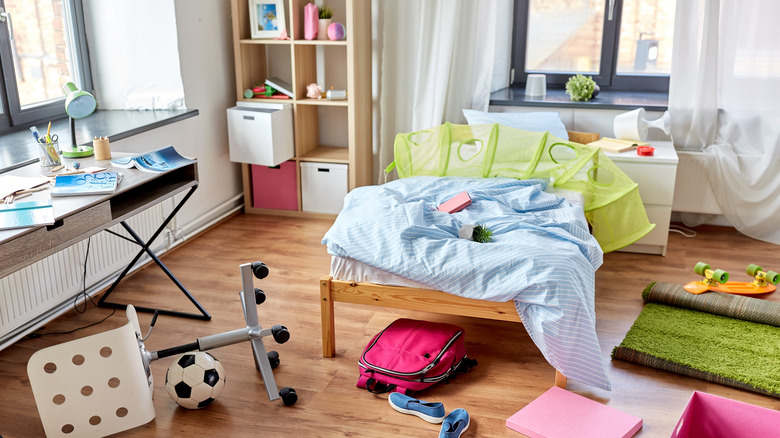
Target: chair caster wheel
(260,270)
(289,397)
(273,358)
(280,334)
(259,296)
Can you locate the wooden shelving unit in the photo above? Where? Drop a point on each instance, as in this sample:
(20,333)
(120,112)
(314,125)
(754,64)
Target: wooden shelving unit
(256,58)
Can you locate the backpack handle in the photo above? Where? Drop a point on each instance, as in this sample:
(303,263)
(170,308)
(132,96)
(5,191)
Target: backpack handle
(375,387)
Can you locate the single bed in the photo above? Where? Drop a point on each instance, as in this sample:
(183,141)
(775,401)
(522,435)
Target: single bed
(386,290)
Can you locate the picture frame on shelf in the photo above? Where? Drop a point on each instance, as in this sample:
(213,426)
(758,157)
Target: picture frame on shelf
(266,18)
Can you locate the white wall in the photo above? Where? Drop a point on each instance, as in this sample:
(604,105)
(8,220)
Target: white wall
(153,45)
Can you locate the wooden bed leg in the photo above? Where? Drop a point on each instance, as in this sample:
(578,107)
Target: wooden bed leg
(328,327)
(560,380)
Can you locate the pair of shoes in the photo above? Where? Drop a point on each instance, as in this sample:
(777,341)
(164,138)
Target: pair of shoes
(430,412)
(455,424)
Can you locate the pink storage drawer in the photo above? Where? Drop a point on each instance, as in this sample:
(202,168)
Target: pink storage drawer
(275,187)
(710,416)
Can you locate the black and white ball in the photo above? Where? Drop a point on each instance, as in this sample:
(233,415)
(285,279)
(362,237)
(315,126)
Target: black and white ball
(194,380)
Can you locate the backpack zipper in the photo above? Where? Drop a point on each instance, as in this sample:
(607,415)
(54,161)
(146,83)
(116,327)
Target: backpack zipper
(363,362)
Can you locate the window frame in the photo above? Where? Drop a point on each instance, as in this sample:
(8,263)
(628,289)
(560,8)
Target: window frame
(607,78)
(13,116)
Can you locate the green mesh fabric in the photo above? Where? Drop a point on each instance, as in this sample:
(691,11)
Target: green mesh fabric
(611,199)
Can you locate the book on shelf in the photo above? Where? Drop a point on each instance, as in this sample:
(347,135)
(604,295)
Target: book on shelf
(281,86)
(161,160)
(617,144)
(26,214)
(85,184)
(559,413)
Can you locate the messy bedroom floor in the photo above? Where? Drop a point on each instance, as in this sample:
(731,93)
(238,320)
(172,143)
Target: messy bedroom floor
(511,371)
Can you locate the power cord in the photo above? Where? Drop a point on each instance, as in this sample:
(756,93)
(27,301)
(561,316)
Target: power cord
(687,232)
(76,303)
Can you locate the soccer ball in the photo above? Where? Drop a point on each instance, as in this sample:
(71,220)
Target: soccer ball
(194,380)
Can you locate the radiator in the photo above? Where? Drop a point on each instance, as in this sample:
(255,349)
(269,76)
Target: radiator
(44,290)
(692,191)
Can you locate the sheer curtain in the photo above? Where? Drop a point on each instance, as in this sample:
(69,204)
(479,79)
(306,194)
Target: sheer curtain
(724,98)
(436,57)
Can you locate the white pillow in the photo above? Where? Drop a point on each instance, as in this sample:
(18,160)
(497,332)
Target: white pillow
(536,122)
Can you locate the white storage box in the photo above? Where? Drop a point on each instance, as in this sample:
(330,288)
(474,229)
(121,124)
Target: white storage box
(323,187)
(260,133)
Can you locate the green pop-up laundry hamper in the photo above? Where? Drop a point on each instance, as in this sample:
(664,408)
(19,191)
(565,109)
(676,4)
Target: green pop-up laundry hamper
(612,203)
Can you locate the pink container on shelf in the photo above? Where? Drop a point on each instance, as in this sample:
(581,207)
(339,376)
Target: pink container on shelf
(710,416)
(311,21)
(275,187)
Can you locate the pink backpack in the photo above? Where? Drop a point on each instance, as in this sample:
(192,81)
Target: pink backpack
(410,355)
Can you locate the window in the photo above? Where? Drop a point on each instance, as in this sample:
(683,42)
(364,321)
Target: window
(622,44)
(42,46)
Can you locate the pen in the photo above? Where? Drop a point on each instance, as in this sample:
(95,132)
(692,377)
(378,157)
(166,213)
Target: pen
(48,131)
(35,134)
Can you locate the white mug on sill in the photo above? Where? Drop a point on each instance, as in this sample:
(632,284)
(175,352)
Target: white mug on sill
(536,85)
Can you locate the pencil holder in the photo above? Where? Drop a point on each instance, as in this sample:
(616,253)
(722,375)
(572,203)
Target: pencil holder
(102,148)
(49,154)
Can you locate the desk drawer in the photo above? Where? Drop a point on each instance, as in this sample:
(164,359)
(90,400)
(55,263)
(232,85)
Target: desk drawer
(18,251)
(79,225)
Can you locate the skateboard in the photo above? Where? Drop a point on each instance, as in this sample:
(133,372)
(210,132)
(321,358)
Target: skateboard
(718,280)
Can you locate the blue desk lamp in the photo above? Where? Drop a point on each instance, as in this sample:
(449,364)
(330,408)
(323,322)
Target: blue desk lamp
(78,104)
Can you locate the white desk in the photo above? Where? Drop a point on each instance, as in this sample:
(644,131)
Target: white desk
(78,217)
(655,176)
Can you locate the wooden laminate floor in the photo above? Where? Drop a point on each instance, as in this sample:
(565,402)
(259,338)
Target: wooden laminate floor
(510,374)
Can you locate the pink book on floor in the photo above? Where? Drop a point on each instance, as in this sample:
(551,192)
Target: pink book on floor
(559,413)
(459,202)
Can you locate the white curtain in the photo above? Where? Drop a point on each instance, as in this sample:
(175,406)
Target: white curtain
(724,98)
(436,57)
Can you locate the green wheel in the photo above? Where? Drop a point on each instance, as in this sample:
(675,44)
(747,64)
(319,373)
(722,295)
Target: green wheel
(720,276)
(772,277)
(701,268)
(753,269)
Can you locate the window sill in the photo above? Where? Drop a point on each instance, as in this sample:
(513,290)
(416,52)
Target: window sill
(16,148)
(610,100)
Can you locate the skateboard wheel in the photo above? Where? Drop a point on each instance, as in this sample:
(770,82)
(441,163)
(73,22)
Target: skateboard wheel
(701,268)
(772,277)
(753,269)
(720,276)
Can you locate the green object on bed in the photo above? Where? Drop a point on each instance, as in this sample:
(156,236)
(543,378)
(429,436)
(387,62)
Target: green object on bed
(704,343)
(611,199)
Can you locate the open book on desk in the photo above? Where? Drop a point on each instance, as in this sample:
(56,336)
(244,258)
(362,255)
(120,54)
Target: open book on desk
(161,160)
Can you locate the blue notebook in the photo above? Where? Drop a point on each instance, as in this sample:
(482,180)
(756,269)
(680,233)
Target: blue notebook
(103,183)
(26,214)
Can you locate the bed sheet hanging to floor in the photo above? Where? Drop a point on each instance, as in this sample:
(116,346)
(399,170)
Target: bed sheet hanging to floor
(542,257)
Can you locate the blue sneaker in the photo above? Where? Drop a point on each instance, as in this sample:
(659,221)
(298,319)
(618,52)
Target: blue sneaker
(430,412)
(455,424)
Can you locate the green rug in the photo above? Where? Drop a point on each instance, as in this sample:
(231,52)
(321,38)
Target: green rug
(721,349)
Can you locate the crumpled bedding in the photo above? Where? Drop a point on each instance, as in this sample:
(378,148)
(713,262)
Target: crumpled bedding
(542,255)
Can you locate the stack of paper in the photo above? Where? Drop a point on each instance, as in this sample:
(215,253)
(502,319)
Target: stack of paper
(559,413)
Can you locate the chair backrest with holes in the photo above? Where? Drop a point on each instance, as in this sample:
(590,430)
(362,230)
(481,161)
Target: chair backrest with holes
(94,386)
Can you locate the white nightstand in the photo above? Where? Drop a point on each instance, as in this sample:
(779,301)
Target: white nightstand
(655,176)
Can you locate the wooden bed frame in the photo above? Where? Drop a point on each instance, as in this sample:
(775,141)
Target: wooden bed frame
(407,298)
(399,297)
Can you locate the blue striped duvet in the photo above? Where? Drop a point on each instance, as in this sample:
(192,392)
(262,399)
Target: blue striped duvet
(542,255)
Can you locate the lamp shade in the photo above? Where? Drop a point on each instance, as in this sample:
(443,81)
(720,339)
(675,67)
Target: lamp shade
(632,125)
(78,103)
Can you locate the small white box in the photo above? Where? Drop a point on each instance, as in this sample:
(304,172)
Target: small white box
(323,187)
(260,133)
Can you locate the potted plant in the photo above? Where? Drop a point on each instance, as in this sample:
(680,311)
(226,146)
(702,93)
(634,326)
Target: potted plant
(326,16)
(581,88)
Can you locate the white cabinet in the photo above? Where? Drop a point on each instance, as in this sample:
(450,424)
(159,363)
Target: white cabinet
(260,133)
(655,176)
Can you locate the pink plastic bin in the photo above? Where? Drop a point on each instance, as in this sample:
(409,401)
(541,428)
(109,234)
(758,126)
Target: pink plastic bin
(275,187)
(710,416)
